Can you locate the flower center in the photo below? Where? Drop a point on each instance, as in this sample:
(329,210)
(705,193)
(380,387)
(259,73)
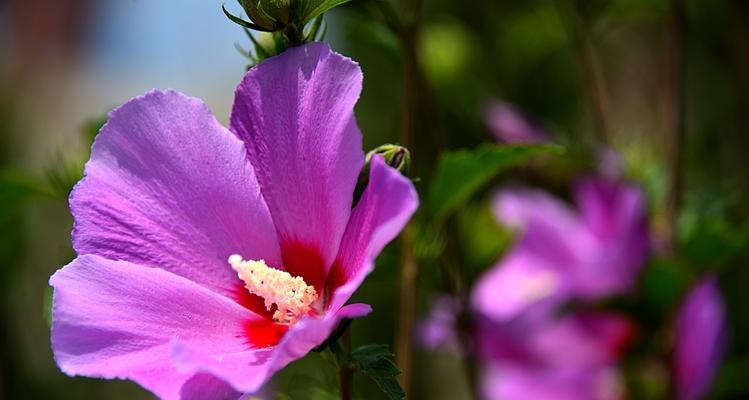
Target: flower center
(291,295)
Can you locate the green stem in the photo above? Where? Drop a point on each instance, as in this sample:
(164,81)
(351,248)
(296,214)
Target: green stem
(342,350)
(674,116)
(594,84)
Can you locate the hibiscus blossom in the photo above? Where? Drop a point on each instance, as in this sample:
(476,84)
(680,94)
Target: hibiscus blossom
(210,258)
(590,253)
(530,350)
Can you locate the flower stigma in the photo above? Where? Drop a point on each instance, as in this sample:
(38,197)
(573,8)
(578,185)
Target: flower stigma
(291,295)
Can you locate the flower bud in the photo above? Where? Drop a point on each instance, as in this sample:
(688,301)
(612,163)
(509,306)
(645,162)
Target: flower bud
(395,156)
(272,15)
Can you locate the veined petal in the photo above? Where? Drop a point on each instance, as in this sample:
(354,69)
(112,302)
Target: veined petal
(167,186)
(116,319)
(295,112)
(383,210)
(249,374)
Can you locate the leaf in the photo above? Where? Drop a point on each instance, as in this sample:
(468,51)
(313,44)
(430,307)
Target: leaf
(374,360)
(243,23)
(313,8)
(461,173)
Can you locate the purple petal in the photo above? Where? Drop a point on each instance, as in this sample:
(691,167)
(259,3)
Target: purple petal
(614,213)
(539,338)
(549,228)
(700,340)
(509,124)
(541,265)
(520,281)
(167,186)
(295,112)
(438,330)
(537,356)
(383,210)
(248,375)
(513,382)
(115,319)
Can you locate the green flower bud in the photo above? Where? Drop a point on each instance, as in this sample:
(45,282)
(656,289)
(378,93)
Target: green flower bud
(273,15)
(395,156)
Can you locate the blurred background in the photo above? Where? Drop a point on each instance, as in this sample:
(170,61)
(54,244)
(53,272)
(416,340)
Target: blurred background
(664,90)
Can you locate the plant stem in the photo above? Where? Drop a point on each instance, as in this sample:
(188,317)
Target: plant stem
(408,32)
(594,83)
(346,373)
(407,308)
(673,116)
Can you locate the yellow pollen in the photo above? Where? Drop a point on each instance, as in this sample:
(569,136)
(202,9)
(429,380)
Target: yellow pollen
(291,295)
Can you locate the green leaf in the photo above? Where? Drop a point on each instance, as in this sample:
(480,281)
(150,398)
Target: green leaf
(461,173)
(374,360)
(313,8)
(243,23)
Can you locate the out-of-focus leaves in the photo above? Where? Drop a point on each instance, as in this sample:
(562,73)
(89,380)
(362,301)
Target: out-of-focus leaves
(708,239)
(663,284)
(461,173)
(300,387)
(17,189)
(446,50)
(429,242)
(374,360)
(482,240)
(91,128)
(62,176)
(542,33)
(731,382)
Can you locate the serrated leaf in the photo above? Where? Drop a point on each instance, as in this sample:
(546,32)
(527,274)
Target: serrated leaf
(461,173)
(374,360)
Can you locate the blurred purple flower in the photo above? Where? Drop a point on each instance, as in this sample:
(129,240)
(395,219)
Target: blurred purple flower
(169,195)
(438,330)
(700,340)
(532,352)
(593,252)
(541,356)
(510,125)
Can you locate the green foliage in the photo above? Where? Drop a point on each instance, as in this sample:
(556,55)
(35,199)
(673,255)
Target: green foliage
(461,173)
(313,8)
(374,360)
(663,283)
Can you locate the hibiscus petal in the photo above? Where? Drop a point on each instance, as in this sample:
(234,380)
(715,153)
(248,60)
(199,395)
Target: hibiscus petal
(700,340)
(513,382)
(115,319)
(383,210)
(295,112)
(248,374)
(521,280)
(549,227)
(615,213)
(167,186)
